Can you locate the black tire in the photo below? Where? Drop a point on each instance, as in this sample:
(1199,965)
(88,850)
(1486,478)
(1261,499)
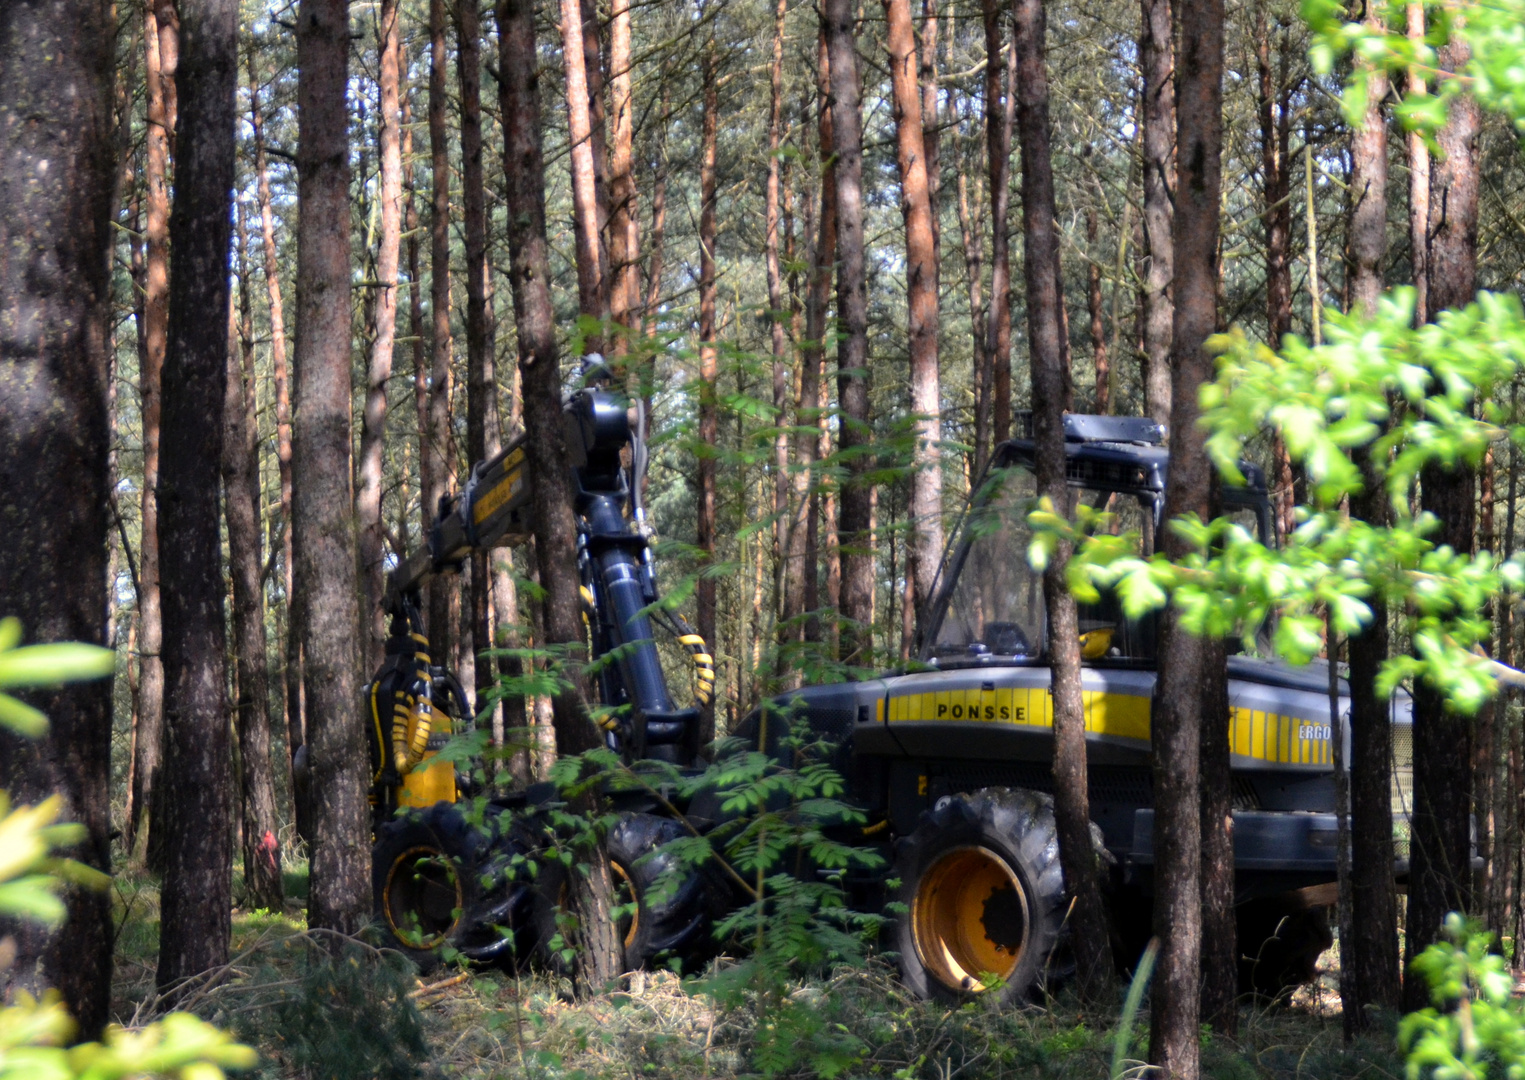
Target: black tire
(1280,940)
(983,893)
(442,882)
(676,923)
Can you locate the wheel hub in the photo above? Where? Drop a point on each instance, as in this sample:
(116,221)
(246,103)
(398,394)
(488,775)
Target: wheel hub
(969,918)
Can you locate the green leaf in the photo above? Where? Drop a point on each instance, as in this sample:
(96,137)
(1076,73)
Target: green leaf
(22,718)
(51,665)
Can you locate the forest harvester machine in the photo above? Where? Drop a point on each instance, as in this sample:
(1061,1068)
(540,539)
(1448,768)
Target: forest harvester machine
(948,761)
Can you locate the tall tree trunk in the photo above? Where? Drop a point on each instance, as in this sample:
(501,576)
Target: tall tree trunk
(1220,949)
(263,887)
(1441,844)
(417,332)
(483,434)
(279,373)
(321,508)
(444,593)
(624,218)
(921,304)
(55,185)
(777,313)
(709,405)
(1157,61)
(1000,105)
(1040,245)
(1274,128)
(149,746)
(592,261)
(196,899)
(971,235)
(658,223)
(931,124)
(805,574)
(1419,183)
(1101,397)
(373,628)
(854,525)
(1372,953)
(545,446)
(1179,711)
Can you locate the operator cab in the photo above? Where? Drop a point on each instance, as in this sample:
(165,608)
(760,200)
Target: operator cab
(990,607)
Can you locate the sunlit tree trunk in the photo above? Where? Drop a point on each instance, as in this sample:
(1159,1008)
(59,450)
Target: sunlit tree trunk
(592,260)
(926,544)
(444,591)
(1000,108)
(340,895)
(149,745)
(1157,61)
(624,217)
(55,186)
(1040,246)
(373,627)
(1441,842)
(1419,181)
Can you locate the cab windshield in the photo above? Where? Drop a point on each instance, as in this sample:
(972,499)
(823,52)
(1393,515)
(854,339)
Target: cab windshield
(995,607)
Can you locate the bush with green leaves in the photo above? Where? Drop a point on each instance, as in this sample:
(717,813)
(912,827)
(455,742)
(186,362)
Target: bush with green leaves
(34,1035)
(1476,1026)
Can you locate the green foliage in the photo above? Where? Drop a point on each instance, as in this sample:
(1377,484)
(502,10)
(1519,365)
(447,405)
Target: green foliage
(33,1033)
(1378,387)
(1476,1027)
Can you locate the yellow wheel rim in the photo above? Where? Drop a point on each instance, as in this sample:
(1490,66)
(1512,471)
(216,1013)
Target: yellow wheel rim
(969,918)
(422,898)
(624,894)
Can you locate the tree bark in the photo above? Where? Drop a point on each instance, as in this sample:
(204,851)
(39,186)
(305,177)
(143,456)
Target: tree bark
(926,544)
(373,627)
(785,522)
(1419,184)
(709,406)
(624,217)
(1157,61)
(970,234)
(444,591)
(1000,104)
(1179,709)
(263,887)
(807,443)
(1101,397)
(1441,833)
(592,261)
(1040,245)
(658,223)
(55,310)
(279,374)
(196,898)
(854,524)
(545,446)
(1274,111)
(321,506)
(1372,954)
(149,745)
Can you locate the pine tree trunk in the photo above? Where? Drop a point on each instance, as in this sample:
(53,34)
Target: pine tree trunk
(658,225)
(55,185)
(1371,954)
(970,234)
(1220,953)
(149,746)
(483,434)
(777,313)
(1441,833)
(1040,245)
(709,406)
(1274,128)
(373,627)
(1157,61)
(545,448)
(592,261)
(1000,105)
(340,896)
(854,527)
(925,550)
(444,591)
(1101,397)
(624,216)
(1185,660)
(293,658)
(1419,183)
(263,887)
(196,898)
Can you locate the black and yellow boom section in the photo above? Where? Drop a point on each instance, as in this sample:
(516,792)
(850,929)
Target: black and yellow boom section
(619,588)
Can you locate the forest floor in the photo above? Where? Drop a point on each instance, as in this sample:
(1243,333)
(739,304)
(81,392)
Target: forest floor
(369,1014)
